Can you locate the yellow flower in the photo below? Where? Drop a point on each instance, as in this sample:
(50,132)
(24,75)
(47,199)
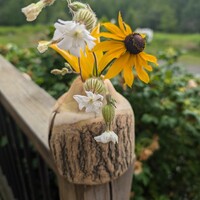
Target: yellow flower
(123,51)
(87,63)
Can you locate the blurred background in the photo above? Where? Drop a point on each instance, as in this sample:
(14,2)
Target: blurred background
(167,110)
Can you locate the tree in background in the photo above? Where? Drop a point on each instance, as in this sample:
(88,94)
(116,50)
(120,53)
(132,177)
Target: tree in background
(160,15)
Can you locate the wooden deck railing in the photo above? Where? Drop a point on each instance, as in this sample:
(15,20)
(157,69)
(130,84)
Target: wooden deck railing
(24,119)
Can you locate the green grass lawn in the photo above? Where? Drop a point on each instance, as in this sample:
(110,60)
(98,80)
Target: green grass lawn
(188,43)
(24,36)
(28,36)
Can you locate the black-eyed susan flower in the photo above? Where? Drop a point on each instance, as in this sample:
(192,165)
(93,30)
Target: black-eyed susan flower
(123,51)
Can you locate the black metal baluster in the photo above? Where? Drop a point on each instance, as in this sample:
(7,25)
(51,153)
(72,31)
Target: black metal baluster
(30,173)
(8,159)
(46,180)
(12,134)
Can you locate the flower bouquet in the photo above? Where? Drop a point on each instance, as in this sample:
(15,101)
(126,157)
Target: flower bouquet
(91,133)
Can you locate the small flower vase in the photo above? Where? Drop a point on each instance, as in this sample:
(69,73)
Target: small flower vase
(78,156)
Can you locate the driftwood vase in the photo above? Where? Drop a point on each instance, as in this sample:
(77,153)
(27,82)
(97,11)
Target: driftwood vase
(78,157)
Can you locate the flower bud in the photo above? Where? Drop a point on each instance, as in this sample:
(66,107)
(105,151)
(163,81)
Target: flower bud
(48,2)
(87,17)
(75,6)
(95,85)
(33,10)
(62,72)
(108,112)
(56,71)
(43,46)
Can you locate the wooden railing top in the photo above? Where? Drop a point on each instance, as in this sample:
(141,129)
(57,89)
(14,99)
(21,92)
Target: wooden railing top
(29,105)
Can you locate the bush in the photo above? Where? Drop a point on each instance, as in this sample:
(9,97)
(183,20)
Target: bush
(167,116)
(168,108)
(38,67)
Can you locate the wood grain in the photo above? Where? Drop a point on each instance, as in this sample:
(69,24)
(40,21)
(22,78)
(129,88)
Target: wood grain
(79,158)
(29,105)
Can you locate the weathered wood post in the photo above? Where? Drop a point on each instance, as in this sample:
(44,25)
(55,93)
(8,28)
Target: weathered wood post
(90,170)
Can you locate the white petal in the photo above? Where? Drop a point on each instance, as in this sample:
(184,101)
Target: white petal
(90,44)
(65,44)
(57,35)
(97,104)
(89,94)
(90,108)
(98,97)
(81,105)
(107,136)
(78,98)
(75,51)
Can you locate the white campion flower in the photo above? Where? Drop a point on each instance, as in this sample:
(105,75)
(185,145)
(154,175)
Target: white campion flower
(92,102)
(72,37)
(33,10)
(107,136)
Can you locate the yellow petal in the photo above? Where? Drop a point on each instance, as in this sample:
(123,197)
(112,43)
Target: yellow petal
(111,36)
(149,57)
(140,71)
(148,67)
(114,29)
(128,70)
(95,30)
(143,35)
(128,75)
(117,66)
(95,33)
(128,29)
(98,56)
(109,56)
(121,23)
(107,45)
(144,63)
(86,64)
(72,60)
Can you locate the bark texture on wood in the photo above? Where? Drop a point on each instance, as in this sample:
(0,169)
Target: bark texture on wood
(78,157)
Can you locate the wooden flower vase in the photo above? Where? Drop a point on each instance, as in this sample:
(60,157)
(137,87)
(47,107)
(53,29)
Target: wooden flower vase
(78,157)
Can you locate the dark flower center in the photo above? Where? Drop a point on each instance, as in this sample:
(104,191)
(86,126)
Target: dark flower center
(134,43)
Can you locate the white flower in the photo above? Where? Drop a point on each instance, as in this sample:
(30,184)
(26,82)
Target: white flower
(43,46)
(72,37)
(33,10)
(107,136)
(92,102)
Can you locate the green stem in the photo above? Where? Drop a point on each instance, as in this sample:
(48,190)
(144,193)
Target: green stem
(105,68)
(79,65)
(95,70)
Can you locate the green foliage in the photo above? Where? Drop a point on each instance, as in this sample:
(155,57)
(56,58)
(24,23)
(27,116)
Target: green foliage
(167,107)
